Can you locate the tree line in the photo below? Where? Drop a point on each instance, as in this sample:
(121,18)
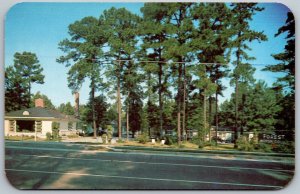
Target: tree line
(167,65)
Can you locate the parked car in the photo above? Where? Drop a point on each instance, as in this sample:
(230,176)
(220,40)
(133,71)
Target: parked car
(217,139)
(99,132)
(80,132)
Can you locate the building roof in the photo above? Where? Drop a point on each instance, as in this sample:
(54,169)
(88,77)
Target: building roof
(39,112)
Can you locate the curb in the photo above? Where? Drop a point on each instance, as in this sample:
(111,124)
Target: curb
(137,148)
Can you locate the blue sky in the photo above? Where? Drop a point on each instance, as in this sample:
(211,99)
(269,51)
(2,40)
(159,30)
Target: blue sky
(39,27)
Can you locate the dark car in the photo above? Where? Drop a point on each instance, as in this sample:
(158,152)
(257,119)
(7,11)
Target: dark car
(80,133)
(100,132)
(217,139)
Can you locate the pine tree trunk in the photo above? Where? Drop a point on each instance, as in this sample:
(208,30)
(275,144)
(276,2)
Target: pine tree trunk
(93,108)
(217,119)
(236,114)
(29,94)
(184,105)
(236,99)
(204,113)
(204,107)
(127,124)
(179,103)
(149,102)
(127,117)
(119,102)
(242,114)
(209,116)
(160,100)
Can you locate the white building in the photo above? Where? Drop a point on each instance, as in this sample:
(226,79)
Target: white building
(37,121)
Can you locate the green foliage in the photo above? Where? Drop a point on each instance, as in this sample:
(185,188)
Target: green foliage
(245,145)
(67,108)
(258,109)
(200,144)
(47,101)
(18,79)
(264,147)
(286,83)
(27,66)
(70,125)
(285,147)
(175,32)
(135,106)
(55,131)
(82,52)
(109,131)
(100,106)
(171,140)
(198,140)
(181,145)
(153,117)
(287,57)
(48,136)
(120,141)
(143,138)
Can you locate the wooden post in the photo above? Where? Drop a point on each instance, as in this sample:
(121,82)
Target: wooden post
(35,130)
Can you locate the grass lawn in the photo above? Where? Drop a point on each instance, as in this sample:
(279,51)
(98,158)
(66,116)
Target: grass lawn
(184,145)
(23,138)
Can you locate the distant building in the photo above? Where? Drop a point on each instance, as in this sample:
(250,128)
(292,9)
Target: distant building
(38,120)
(226,134)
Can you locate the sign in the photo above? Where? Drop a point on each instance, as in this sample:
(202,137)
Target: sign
(271,138)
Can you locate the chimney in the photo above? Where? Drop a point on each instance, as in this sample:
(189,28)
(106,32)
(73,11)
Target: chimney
(76,94)
(39,102)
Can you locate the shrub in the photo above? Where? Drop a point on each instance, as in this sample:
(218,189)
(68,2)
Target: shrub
(244,145)
(181,145)
(48,136)
(198,141)
(55,131)
(285,147)
(120,141)
(264,147)
(170,140)
(201,144)
(143,138)
(109,132)
(71,136)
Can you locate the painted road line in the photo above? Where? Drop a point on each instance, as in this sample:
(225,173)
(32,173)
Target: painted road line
(186,155)
(151,179)
(159,163)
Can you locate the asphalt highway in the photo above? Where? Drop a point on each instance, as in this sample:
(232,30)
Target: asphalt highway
(41,165)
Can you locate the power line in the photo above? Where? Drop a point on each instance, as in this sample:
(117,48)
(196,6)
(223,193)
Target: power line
(146,61)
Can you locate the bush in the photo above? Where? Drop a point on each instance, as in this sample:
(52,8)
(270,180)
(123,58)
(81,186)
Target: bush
(143,138)
(55,131)
(71,136)
(198,141)
(181,145)
(244,145)
(285,147)
(48,136)
(170,140)
(109,132)
(120,141)
(264,147)
(201,145)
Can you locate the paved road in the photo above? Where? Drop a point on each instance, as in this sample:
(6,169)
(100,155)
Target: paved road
(31,165)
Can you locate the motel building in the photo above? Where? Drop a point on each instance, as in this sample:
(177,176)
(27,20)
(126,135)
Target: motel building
(37,121)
